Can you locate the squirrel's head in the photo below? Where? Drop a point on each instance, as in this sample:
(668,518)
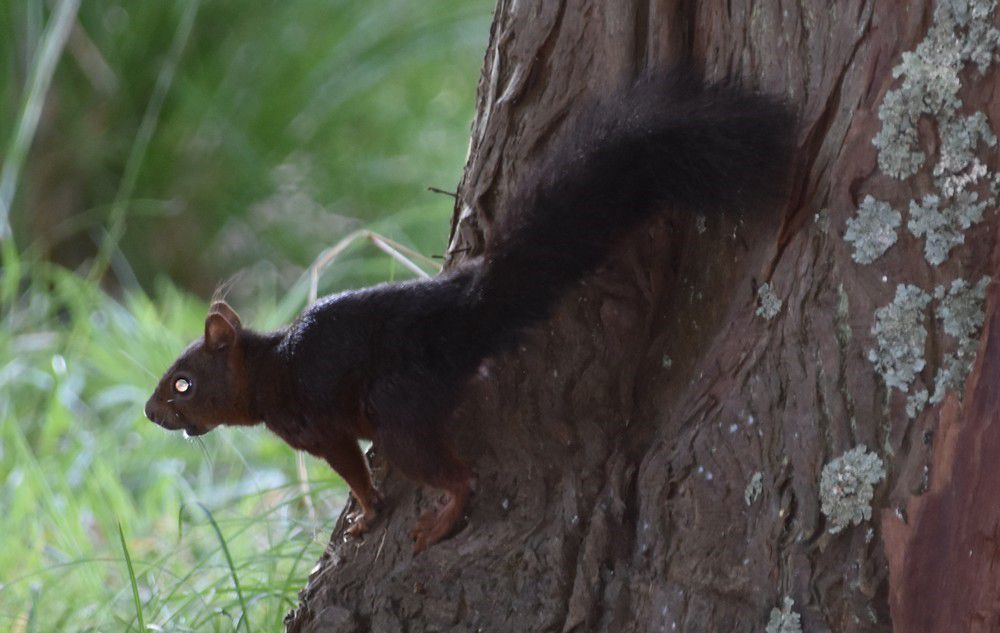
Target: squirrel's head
(206,386)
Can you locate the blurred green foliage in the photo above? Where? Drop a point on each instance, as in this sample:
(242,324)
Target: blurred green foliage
(285,126)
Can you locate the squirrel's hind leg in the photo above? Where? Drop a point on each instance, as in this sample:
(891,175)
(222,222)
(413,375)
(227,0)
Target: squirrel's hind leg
(422,454)
(434,525)
(408,414)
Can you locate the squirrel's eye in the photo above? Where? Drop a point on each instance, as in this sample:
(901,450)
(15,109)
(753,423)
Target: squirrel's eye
(182,385)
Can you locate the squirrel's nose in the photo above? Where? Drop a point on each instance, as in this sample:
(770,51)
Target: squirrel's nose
(149,411)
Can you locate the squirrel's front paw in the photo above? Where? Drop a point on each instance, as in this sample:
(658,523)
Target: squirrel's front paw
(363,517)
(360,521)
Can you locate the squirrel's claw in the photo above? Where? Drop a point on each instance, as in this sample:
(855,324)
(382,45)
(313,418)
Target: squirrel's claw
(362,518)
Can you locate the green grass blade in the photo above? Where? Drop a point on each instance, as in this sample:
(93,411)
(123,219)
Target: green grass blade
(291,581)
(150,119)
(41,77)
(131,577)
(10,271)
(232,568)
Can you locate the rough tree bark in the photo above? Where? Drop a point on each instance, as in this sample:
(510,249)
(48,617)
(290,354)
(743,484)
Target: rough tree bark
(654,457)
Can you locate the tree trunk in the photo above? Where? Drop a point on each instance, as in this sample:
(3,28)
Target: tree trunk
(677,450)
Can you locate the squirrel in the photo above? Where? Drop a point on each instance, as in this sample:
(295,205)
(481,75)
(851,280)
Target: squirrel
(389,363)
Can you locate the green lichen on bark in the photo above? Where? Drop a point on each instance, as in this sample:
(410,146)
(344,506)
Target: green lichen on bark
(784,620)
(900,337)
(872,230)
(979,39)
(847,486)
(961,33)
(960,136)
(943,228)
(768,303)
(960,309)
(916,402)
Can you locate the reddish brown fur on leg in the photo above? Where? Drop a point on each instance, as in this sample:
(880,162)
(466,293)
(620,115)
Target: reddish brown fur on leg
(434,525)
(346,458)
(414,444)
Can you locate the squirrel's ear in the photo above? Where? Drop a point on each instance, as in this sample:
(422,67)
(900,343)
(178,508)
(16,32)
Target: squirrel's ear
(226,311)
(220,333)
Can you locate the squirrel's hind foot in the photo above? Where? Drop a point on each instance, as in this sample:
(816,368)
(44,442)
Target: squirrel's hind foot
(435,525)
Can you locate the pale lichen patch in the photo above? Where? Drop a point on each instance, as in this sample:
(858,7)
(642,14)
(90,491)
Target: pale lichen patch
(916,402)
(846,487)
(768,303)
(900,336)
(960,136)
(943,228)
(784,620)
(978,36)
(950,376)
(873,230)
(843,314)
(955,183)
(961,33)
(961,312)
(754,487)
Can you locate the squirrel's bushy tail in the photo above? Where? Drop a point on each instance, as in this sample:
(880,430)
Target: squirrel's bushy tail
(667,141)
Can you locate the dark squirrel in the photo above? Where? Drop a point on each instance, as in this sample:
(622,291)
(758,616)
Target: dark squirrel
(389,363)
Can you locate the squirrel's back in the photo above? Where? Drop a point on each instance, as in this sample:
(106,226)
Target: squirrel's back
(665,141)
